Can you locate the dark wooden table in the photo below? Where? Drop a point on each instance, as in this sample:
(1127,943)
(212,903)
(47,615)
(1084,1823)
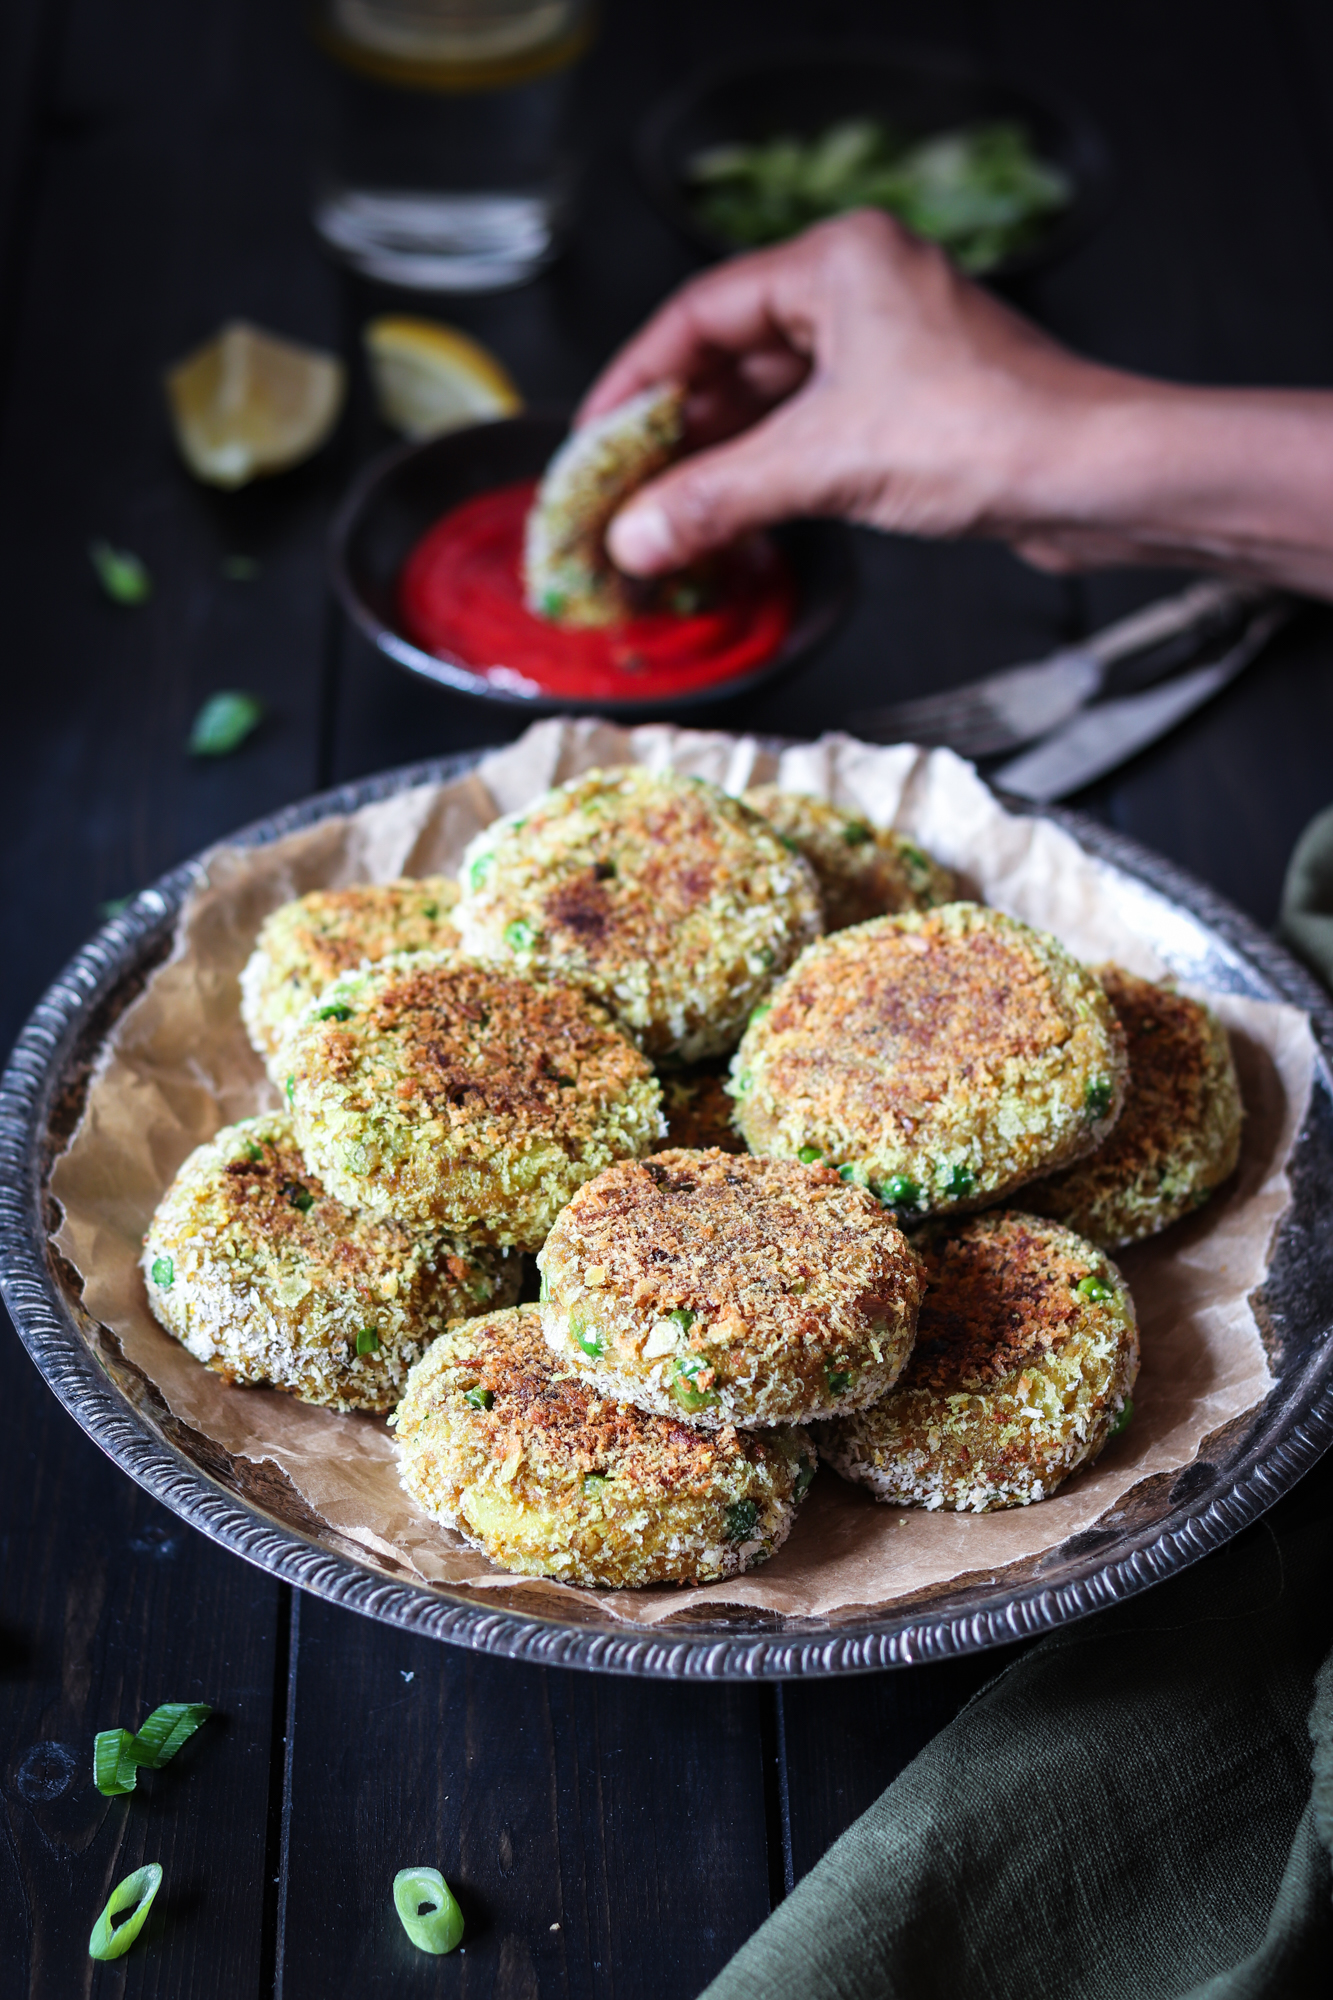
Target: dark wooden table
(606,1836)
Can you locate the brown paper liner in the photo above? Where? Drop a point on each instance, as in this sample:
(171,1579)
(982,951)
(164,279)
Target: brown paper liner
(177,1065)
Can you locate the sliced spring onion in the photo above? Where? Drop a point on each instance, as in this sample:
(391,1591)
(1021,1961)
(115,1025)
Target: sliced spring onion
(117,1755)
(479,1398)
(164,1273)
(224,722)
(807,1155)
(135,1894)
(427,1910)
(367,1341)
(122,574)
(1092,1288)
(740,1519)
(339,1011)
(1124,1419)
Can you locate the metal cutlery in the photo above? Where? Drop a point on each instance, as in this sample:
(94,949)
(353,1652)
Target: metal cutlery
(1003,711)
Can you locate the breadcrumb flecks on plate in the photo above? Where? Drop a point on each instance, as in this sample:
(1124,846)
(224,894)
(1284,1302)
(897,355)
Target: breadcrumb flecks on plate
(1026,1354)
(464,1096)
(941,1058)
(551,1478)
(729,1290)
(673,904)
(268,1279)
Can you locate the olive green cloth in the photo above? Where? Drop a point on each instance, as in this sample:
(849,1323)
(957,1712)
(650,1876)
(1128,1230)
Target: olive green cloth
(1306,923)
(1124,1814)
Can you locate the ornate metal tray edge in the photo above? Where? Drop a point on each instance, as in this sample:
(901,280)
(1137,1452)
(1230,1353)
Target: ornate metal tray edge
(1201,1520)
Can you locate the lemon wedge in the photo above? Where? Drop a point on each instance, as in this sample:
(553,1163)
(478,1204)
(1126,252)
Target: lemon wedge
(429,378)
(248,403)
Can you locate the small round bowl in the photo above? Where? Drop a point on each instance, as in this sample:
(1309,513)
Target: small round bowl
(804,90)
(399,496)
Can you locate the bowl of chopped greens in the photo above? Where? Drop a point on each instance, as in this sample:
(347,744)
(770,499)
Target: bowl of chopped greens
(1004,176)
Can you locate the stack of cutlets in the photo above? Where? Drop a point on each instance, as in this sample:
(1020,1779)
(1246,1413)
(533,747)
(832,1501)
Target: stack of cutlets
(824,1260)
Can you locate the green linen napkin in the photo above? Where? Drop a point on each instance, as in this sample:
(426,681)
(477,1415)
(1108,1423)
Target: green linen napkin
(1306,923)
(1124,1814)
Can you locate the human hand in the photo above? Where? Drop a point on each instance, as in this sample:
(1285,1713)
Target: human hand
(852,371)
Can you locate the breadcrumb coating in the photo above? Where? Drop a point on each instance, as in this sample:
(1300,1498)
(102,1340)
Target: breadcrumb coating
(304,946)
(464,1096)
(673,904)
(863,871)
(568,577)
(730,1290)
(943,1057)
(1026,1353)
(551,1478)
(266,1278)
(1178,1137)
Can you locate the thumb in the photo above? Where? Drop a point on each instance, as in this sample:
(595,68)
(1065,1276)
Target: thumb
(710,499)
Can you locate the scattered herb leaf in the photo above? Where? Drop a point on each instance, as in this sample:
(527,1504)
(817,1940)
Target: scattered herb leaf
(224,722)
(123,575)
(135,1894)
(427,1910)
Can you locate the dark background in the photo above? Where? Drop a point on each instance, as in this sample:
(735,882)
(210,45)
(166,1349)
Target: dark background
(155,173)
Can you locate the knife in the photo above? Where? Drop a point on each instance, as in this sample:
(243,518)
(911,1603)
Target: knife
(1097,739)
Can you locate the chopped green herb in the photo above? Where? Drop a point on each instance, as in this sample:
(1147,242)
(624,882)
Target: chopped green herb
(427,1910)
(299,1197)
(959,1180)
(593,1482)
(683,1317)
(847,1171)
(739,1520)
(240,569)
(743,1082)
(117,1755)
(586,1338)
(685,1373)
(899,1191)
(253,1152)
(289,1089)
(766,957)
(804,1479)
(1097,1097)
(856,833)
(476,874)
(122,574)
(553,603)
(807,1155)
(164,1273)
(792,846)
(367,1341)
(430,911)
(1093,1289)
(758,1013)
(520,936)
(914,858)
(135,1896)
(1124,1418)
(479,1398)
(224,722)
(339,1011)
(839,1380)
(980,190)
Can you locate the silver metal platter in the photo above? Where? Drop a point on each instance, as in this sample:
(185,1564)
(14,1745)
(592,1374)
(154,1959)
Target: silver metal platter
(1163,1524)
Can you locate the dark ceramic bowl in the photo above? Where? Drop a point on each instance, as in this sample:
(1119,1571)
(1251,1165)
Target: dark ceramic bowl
(805,90)
(406,491)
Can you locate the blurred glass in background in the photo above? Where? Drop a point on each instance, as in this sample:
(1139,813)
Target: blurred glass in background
(453,167)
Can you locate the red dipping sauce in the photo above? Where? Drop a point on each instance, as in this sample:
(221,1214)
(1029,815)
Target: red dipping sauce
(460,596)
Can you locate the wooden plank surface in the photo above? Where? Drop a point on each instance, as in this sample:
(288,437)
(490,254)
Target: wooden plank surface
(154,180)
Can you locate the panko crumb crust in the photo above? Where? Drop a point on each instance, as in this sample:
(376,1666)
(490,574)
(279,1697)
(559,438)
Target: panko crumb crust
(465,1096)
(268,1279)
(673,904)
(942,1058)
(699,1110)
(727,1290)
(1026,1353)
(551,1478)
(568,577)
(1178,1137)
(304,946)
(863,870)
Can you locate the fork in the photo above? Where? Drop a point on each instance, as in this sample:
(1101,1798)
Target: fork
(1003,711)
